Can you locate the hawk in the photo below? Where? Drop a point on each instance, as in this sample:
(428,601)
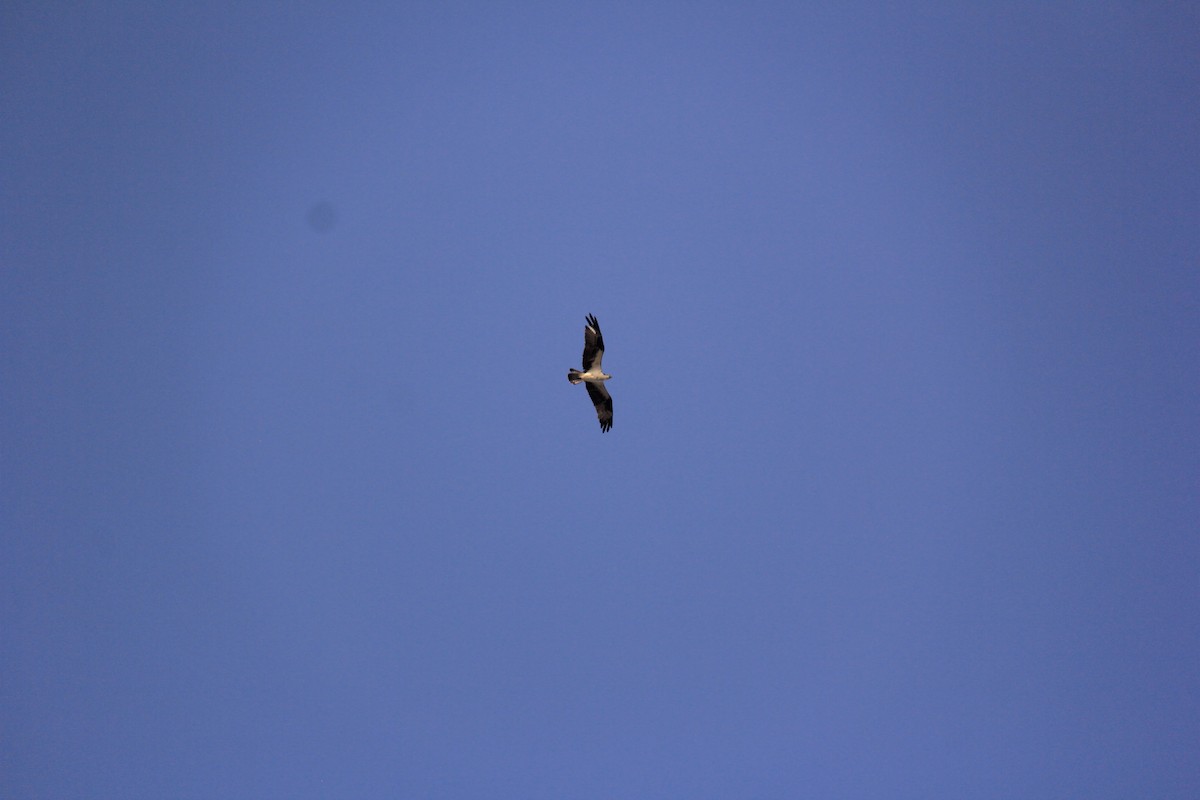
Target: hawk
(592,375)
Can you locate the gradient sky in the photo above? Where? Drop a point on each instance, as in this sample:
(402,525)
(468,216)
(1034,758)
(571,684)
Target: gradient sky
(902,304)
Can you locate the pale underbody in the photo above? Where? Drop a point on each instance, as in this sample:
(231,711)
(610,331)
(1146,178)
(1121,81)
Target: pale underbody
(591,377)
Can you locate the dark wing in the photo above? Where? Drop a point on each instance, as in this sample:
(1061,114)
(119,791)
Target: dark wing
(593,345)
(602,400)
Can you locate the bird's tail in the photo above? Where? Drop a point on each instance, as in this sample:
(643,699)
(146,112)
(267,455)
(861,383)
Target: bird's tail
(573,376)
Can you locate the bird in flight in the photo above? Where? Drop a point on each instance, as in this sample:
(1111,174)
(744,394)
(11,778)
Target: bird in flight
(592,375)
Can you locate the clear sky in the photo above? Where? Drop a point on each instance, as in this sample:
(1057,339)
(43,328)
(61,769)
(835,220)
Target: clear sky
(902,305)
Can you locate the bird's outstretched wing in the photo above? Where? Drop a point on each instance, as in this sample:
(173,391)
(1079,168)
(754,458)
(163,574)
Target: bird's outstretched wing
(593,344)
(602,400)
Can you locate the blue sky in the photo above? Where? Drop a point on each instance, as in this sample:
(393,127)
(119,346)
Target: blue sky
(902,307)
